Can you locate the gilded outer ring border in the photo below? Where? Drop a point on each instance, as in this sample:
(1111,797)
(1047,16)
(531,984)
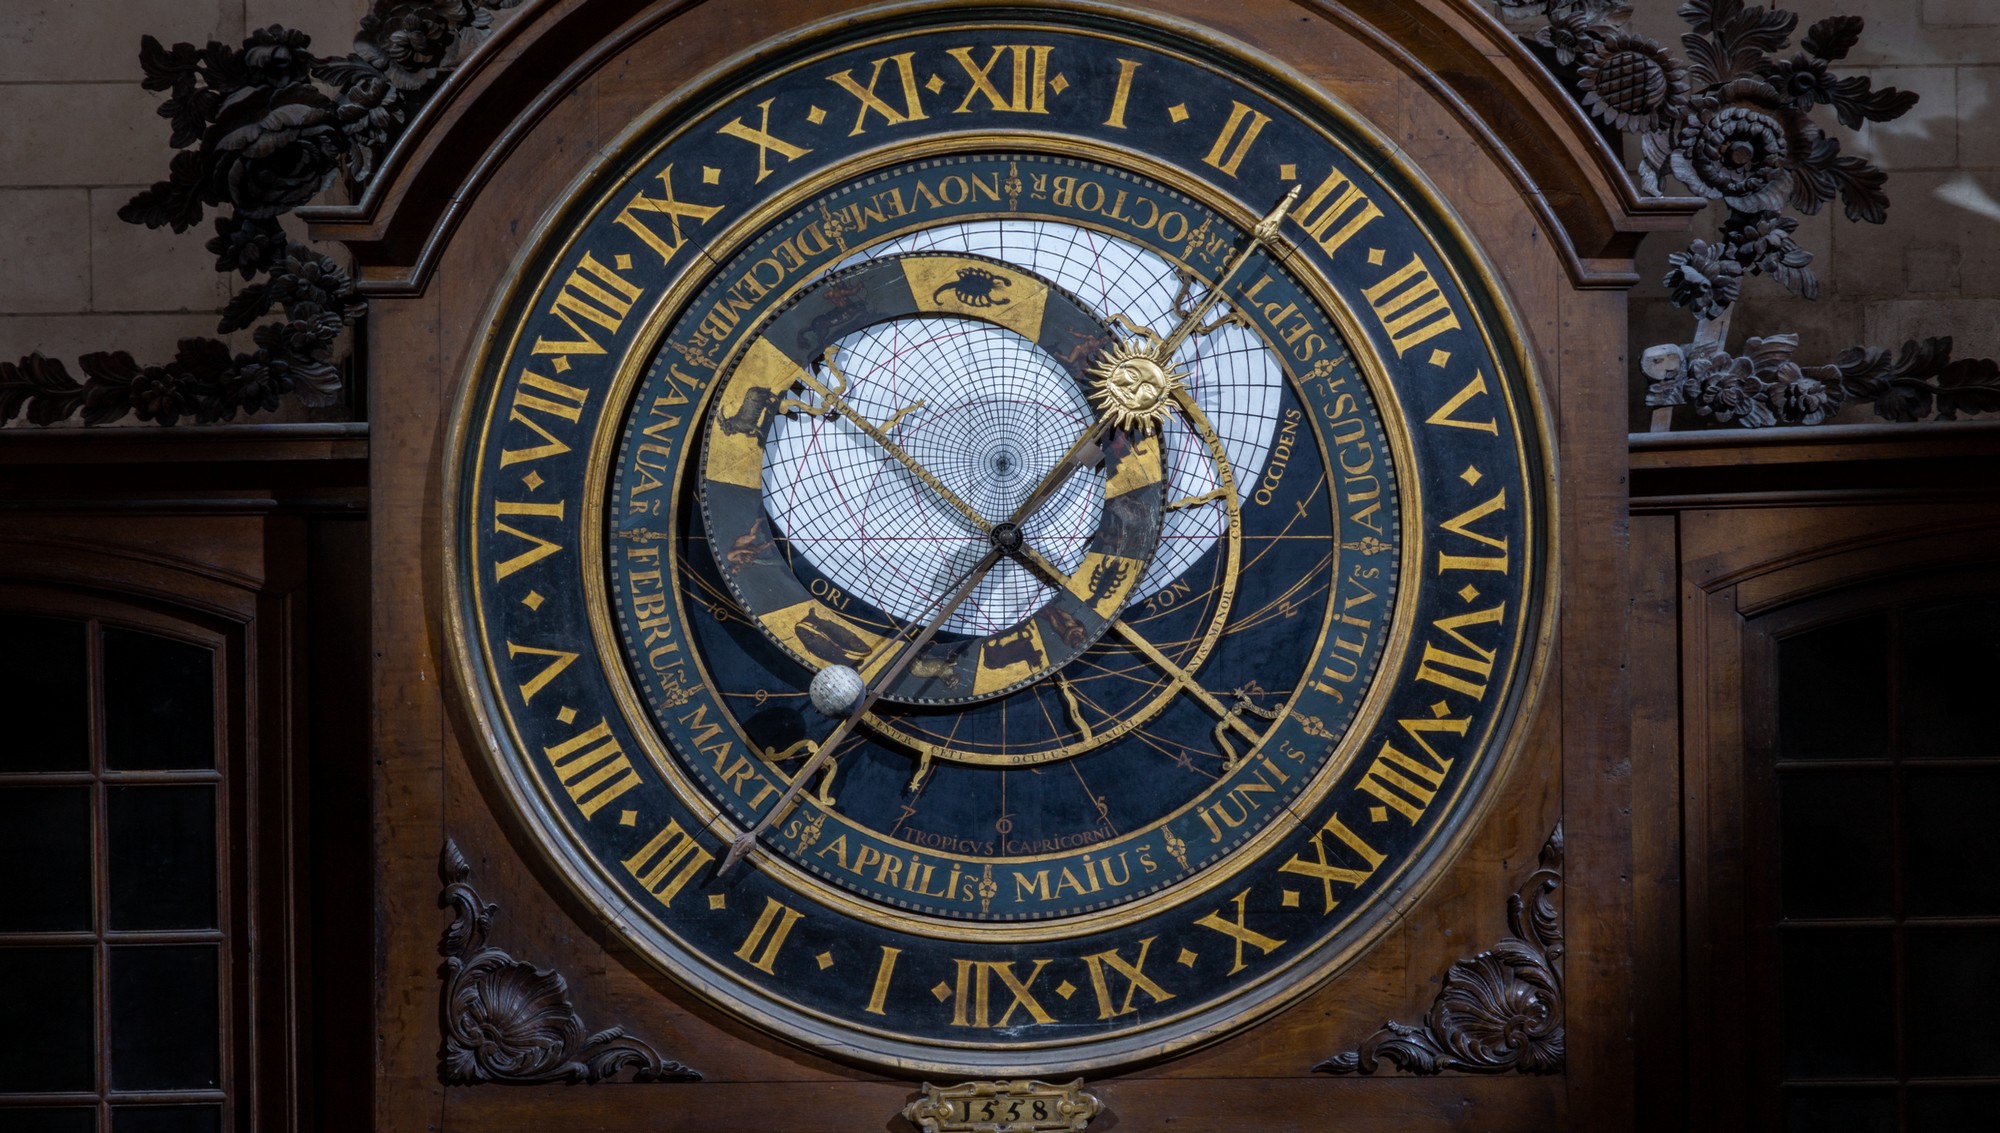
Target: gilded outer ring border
(1419,870)
(1335,308)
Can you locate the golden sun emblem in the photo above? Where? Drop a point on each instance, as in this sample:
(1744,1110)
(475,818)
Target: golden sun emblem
(1133,390)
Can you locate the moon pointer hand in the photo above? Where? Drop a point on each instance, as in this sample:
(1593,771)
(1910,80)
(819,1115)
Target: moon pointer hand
(747,841)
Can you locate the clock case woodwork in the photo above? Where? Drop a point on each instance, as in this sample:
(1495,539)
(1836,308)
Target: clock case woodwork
(435,238)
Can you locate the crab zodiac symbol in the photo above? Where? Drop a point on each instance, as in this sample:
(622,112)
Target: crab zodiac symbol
(975,287)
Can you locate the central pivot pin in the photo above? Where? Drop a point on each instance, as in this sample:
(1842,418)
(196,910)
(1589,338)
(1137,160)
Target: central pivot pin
(1007,537)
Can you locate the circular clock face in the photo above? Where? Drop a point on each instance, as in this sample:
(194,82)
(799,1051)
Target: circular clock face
(999,547)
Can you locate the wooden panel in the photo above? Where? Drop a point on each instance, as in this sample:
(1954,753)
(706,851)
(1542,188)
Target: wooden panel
(410,734)
(235,536)
(1807,531)
(1654,662)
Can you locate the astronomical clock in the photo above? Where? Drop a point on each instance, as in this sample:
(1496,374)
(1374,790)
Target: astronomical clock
(998,544)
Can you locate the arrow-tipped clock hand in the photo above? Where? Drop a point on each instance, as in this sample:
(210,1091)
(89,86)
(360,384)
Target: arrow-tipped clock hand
(1259,236)
(747,841)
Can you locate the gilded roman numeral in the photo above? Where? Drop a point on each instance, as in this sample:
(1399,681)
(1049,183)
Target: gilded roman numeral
(1404,784)
(1460,672)
(560,660)
(1446,413)
(1236,137)
(593,768)
(1028,88)
(535,394)
(879,997)
(912,109)
(598,296)
(1335,212)
(1321,867)
(767,144)
(1123,95)
(539,548)
(665,865)
(973,1006)
(774,924)
(1136,980)
(663,244)
(1410,306)
(1461,525)
(1407,784)
(1240,933)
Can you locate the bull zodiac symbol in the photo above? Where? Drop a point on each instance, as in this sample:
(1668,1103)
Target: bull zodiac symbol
(975,287)
(751,417)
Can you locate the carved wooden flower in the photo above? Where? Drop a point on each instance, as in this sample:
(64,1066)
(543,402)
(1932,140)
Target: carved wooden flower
(272,150)
(407,42)
(1705,278)
(1728,389)
(1806,401)
(1632,83)
(1567,35)
(1735,147)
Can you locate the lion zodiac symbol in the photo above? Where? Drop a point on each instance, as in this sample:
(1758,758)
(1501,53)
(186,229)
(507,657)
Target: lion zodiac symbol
(975,287)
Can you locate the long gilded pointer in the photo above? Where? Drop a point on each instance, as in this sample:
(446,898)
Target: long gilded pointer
(1136,379)
(1261,234)
(746,841)
(830,397)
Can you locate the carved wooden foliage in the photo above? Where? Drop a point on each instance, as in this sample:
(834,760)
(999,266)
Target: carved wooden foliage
(1732,122)
(261,129)
(505,1020)
(1761,385)
(1500,1010)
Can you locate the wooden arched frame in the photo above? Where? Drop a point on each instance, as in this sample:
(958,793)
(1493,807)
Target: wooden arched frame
(1748,578)
(256,630)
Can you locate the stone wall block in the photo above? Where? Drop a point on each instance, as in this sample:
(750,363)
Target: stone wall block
(331,23)
(134,268)
(83,134)
(45,245)
(1824,328)
(1961,14)
(73,40)
(1979,117)
(148,338)
(1927,211)
(1974,324)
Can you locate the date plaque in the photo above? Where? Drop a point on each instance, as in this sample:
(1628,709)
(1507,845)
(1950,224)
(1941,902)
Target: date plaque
(1004,1107)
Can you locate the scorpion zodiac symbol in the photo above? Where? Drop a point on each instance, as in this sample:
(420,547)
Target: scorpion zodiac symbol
(975,287)
(1105,579)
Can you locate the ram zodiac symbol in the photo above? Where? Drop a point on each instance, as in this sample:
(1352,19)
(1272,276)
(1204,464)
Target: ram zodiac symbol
(975,287)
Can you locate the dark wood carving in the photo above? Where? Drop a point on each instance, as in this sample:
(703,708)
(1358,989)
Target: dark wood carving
(505,1020)
(1763,386)
(261,129)
(1733,123)
(1500,1010)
